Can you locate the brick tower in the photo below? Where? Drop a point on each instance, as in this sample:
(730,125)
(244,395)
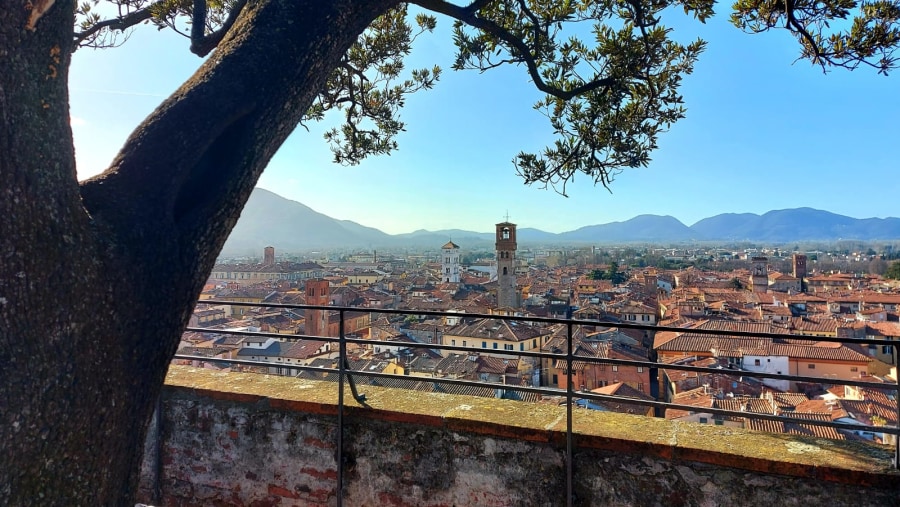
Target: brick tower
(506,265)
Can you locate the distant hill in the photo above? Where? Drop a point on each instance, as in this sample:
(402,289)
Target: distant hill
(269,219)
(801,224)
(642,228)
(736,226)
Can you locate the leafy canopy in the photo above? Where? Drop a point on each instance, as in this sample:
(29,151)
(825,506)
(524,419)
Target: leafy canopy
(609,69)
(893,271)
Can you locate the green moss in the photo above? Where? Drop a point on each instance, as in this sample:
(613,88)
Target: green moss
(508,418)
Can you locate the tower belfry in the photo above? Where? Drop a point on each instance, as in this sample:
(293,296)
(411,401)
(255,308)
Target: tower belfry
(505,246)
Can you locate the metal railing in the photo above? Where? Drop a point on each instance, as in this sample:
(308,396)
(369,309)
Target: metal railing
(347,376)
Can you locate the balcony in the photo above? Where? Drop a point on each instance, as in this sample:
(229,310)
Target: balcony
(252,439)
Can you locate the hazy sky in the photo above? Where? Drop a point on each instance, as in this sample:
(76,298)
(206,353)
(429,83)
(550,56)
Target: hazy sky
(761,133)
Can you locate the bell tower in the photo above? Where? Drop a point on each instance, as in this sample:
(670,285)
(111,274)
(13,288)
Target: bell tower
(798,262)
(759,274)
(506,265)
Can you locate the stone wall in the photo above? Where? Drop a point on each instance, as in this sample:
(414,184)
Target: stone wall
(244,446)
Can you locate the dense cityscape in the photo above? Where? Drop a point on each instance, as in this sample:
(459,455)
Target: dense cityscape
(774,294)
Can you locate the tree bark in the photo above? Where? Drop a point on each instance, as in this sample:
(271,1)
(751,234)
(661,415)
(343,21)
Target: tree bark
(97,280)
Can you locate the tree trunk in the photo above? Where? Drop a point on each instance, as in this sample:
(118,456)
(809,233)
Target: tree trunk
(97,280)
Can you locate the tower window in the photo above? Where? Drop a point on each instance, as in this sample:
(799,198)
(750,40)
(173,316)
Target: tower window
(505,233)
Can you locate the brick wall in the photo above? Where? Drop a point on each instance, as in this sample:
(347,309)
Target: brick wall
(222,447)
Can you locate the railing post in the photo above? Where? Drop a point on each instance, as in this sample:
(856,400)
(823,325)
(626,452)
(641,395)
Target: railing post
(570,487)
(895,350)
(157,452)
(342,358)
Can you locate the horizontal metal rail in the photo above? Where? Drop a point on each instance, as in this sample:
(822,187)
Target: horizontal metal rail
(553,320)
(550,355)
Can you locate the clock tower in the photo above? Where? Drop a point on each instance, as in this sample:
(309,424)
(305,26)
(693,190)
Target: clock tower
(506,265)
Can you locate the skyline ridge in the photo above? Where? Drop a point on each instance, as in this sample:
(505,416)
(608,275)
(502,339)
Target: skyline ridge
(270,218)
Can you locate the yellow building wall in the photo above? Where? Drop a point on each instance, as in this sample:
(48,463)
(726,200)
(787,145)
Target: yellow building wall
(486,345)
(394,369)
(827,369)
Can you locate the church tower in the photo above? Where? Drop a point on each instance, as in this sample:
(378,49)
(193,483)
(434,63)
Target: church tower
(269,256)
(318,292)
(759,274)
(798,262)
(506,265)
(450,263)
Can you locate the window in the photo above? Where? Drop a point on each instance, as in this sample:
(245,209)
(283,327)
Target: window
(615,367)
(555,379)
(495,345)
(886,349)
(854,369)
(640,369)
(719,422)
(464,343)
(640,386)
(812,366)
(703,420)
(521,346)
(756,362)
(534,343)
(504,270)
(453,342)
(507,346)
(484,345)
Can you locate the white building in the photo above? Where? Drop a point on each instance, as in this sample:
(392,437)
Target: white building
(778,365)
(450,263)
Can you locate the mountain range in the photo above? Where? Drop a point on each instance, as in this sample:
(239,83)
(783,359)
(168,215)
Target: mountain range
(269,219)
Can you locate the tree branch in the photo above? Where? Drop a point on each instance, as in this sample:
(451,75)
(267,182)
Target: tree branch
(191,165)
(198,22)
(524,52)
(202,44)
(818,56)
(477,4)
(121,23)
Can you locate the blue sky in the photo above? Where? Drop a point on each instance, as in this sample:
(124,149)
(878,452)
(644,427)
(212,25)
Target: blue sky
(761,133)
